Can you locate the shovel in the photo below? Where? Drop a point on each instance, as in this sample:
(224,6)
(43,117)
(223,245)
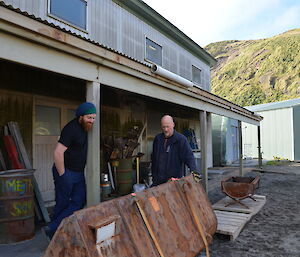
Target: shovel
(138,187)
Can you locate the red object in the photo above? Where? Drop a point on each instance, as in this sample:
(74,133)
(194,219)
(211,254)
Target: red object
(12,152)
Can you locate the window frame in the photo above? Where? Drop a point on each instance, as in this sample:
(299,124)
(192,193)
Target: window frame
(53,16)
(197,83)
(146,59)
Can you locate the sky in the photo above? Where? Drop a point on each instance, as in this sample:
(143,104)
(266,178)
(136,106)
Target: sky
(209,21)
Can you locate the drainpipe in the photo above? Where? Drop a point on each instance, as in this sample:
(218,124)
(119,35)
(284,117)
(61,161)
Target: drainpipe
(171,76)
(259,147)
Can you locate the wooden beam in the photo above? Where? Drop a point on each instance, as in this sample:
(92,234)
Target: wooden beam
(93,158)
(23,51)
(203,143)
(209,140)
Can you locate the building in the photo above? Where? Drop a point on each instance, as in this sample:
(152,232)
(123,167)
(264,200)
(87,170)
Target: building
(121,55)
(280,131)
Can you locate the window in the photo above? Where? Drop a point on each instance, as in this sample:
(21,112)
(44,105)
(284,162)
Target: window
(153,52)
(71,11)
(47,121)
(196,75)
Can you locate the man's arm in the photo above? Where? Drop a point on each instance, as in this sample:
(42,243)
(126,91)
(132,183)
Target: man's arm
(188,156)
(59,158)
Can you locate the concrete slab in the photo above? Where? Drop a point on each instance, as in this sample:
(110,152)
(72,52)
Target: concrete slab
(31,248)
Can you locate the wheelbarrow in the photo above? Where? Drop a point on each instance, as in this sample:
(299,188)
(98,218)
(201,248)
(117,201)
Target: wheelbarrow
(239,188)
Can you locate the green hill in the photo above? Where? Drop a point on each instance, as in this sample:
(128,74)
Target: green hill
(257,71)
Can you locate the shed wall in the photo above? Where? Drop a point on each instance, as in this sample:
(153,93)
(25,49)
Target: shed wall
(296,128)
(277,137)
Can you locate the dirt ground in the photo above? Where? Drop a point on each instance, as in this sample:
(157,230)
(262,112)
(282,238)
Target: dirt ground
(275,230)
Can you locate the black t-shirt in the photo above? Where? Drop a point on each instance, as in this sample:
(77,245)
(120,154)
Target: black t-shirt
(74,137)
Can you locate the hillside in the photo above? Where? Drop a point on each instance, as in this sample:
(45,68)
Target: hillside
(257,71)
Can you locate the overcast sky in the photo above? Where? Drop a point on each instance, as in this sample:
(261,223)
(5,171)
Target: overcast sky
(208,21)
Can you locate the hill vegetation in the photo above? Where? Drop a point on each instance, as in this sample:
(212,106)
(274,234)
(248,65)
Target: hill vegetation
(252,72)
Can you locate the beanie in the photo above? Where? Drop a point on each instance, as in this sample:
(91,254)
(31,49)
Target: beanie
(85,108)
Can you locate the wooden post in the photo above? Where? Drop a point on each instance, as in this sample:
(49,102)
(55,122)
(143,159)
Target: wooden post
(93,158)
(209,155)
(203,143)
(259,148)
(240,148)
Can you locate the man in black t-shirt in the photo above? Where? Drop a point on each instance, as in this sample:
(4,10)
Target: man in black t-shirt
(70,157)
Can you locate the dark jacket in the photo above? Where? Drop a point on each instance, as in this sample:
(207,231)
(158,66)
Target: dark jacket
(168,158)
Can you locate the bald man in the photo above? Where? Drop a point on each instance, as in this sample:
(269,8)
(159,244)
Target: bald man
(171,151)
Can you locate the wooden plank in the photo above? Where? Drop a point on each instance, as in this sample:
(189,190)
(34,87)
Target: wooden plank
(233,214)
(40,201)
(2,162)
(229,223)
(233,218)
(254,206)
(16,134)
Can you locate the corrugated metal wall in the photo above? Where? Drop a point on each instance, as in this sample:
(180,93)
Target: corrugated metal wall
(277,135)
(296,125)
(250,142)
(113,26)
(225,140)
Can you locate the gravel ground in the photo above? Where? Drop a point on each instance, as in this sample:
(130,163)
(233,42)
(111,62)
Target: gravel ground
(275,230)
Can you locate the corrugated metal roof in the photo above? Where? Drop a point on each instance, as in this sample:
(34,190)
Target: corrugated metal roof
(10,7)
(274,106)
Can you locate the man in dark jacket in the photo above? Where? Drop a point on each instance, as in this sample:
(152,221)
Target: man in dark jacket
(171,151)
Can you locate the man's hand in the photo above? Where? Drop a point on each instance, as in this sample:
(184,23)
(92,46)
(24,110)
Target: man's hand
(196,176)
(59,158)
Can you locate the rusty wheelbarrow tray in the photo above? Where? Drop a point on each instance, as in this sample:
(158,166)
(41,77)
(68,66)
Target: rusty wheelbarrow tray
(239,188)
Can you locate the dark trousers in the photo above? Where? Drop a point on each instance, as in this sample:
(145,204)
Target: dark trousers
(70,195)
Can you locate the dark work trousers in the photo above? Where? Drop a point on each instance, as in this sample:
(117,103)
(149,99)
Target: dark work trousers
(70,195)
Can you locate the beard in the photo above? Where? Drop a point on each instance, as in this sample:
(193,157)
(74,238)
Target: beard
(87,126)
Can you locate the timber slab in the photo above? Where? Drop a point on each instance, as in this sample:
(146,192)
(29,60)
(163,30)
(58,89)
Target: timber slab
(233,218)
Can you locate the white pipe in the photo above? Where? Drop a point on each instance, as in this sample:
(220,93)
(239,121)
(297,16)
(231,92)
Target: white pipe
(170,75)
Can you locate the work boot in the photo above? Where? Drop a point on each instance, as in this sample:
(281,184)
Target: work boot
(48,233)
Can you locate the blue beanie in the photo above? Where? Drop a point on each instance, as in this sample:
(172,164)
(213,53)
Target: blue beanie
(85,108)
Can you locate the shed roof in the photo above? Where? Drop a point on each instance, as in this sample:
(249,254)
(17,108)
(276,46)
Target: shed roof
(274,106)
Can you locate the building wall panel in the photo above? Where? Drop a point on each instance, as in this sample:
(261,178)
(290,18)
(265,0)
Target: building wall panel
(296,129)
